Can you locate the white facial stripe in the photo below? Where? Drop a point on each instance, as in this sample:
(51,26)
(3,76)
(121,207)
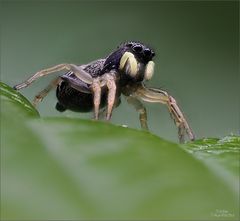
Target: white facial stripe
(149,70)
(123,60)
(133,65)
(129,63)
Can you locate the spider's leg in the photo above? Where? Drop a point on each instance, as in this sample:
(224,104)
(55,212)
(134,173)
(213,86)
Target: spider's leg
(109,79)
(159,96)
(39,97)
(96,88)
(111,85)
(77,70)
(102,113)
(140,109)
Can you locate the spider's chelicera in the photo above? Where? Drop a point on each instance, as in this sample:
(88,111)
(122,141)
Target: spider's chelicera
(99,85)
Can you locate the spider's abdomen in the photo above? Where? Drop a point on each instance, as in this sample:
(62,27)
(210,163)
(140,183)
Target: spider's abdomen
(70,98)
(74,100)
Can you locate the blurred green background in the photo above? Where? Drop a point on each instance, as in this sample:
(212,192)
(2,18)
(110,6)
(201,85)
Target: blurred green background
(196,43)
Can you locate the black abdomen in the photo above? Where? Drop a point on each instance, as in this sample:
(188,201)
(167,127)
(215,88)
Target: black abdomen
(74,100)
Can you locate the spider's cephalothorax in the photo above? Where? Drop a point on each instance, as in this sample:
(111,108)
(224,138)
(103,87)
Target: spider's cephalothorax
(99,85)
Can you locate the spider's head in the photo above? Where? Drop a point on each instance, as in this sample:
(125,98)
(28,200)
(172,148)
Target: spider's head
(133,60)
(142,53)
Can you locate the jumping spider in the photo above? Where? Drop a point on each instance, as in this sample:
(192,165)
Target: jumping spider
(100,84)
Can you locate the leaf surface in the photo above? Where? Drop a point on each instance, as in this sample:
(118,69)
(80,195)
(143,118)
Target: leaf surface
(68,168)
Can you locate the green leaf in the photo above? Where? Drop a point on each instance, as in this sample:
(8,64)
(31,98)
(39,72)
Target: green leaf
(18,103)
(67,168)
(220,155)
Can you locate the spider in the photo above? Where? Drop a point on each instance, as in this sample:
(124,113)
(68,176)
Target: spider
(99,84)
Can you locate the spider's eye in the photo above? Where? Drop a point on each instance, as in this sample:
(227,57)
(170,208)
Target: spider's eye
(137,48)
(147,52)
(129,44)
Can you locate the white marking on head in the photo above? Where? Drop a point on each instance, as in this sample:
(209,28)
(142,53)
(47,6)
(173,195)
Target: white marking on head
(129,64)
(149,70)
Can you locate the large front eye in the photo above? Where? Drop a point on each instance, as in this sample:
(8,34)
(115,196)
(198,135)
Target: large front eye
(130,44)
(147,52)
(137,48)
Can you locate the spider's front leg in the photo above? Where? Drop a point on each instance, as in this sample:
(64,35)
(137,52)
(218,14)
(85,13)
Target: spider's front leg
(158,96)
